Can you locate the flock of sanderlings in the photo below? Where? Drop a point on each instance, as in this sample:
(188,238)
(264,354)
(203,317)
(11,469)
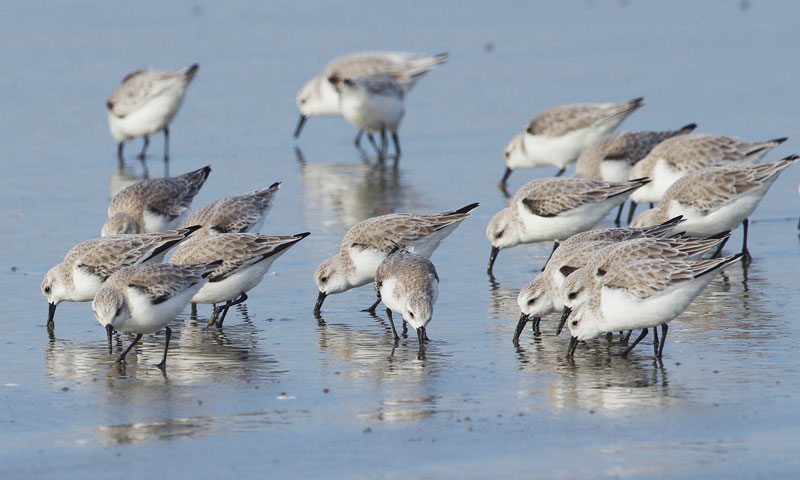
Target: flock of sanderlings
(601,281)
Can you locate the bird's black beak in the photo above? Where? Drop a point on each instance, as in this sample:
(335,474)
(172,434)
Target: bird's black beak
(573,344)
(492,258)
(300,124)
(109,332)
(51,315)
(320,299)
(564,316)
(523,320)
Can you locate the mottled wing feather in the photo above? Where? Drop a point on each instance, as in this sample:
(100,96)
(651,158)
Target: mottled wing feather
(140,87)
(648,277)
(161,282)
(387,231)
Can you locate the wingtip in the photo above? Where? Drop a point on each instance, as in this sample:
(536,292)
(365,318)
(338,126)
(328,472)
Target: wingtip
(688,128)
(779,140)
(641,180)
(190,229)
(302,235)
(276,185)
(638,101)
(468,208)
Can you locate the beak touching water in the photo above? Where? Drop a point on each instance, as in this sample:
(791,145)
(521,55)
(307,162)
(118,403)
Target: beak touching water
(492,258)
(300,124)
(51,315)
(564,316)
(109,332)
(320,299)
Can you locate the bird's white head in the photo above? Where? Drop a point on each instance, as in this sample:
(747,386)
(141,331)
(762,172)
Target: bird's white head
(502,230)
(109,307)
(534,299)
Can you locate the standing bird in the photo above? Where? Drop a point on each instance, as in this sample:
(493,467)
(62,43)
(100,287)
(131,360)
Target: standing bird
(558,136)
(153,205)
(408,283)
(246,258)
(716,199)
(145,103)
(88,264)
(320,97)
(612,158)
(553,209)
(374,104)
(675,157)
(641,295)
(239,214)
(145,298)
(367,243)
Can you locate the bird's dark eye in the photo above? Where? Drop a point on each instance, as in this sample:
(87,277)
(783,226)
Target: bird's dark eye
(46,289)
(302,101)
(574,323)
(573,295)
(531,301)
(323,279)
(507,153)
(500,234)
(411,314)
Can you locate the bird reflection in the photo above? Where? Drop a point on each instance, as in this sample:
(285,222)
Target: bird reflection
(347,193)
(124,176)
(199,355)
(405,384)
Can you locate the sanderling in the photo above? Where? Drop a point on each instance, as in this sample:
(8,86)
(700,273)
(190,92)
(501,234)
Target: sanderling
(320,96)
(367,243)
(641,295)
(239,214)
(677,156)
(153,205)
(611,158)
(374,104)
(576,287)
(145,103)
(88,264)
(145,298)
(717,199)
(246,257)
(558,136)
(553,209)
(408,283)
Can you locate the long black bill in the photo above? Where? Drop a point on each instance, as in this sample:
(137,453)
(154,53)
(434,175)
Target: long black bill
(523,320)
(51,315)
(492,258)
(564,316)
(300,124)
(573,344)
(109,333)
(320,299)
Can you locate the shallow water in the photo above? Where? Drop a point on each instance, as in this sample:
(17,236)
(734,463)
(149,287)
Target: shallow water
(277,392)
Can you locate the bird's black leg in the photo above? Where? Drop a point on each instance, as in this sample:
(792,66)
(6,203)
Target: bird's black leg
(121,358)
(166,348)
(631,211)
(635,342)
(619,215)
(745,253)
(144,147)
(120,156)
(242,298)
(627,336)
(166,143)
(371,139)
(664,328)
(396,141)
(555,246)
(655,340)
(214,314)
(391,322)
(384,144)
(357,141)
(561,171)
(372,308)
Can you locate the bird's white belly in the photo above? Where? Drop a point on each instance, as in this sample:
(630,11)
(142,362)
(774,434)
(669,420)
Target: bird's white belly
(148,318)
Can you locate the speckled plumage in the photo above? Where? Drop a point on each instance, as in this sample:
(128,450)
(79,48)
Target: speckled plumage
(239,214)
(163,198)
(141,86)
(566,118)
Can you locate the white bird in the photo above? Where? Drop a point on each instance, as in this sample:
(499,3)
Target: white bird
(320,95)
(374,104)
(240,214)
(367,243)
(642,295)
(559,135)
(88,264)
(246,258)
(713,200)
(675,157)
(145,298)
(408,283)
(146,102)
(153,205)
(553,209)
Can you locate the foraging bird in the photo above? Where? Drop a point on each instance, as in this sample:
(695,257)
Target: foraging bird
(240,214)
(88,264)
(559,135)
(375,105)
(146,102)
(153,205)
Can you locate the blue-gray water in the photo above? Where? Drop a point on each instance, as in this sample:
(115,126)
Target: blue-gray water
(251,401)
